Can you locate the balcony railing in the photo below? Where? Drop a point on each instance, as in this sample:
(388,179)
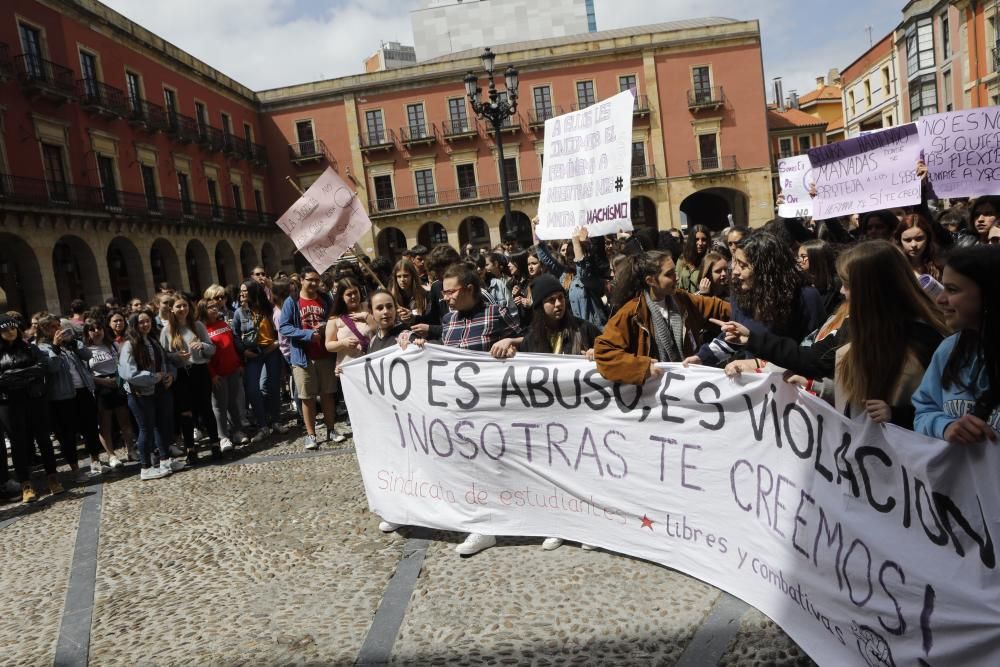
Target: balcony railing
(37,192)
(308,151)
(183,129)
(417,135)
(712,165)
(233,145)
(384,140)
(705,98)
(642,172)
(46,78)
(145,114)
(460,196)
(537,117)
(211,138)
(258,154)
(100,98)
(460,129)
(6,66)
(640,106)
(996,58)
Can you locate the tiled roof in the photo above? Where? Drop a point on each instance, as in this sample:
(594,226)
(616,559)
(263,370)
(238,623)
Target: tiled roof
(552,42)
(790,119)
(836,125)
(831,93)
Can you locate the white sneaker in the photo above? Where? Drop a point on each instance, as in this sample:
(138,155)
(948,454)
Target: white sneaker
(346,429)
(225,445)
(388,526)
(114,462)
(281,428)
(241,438)
(311,442)
(198,435)
(96,468)
(153,473)
(336,437)
(173,465)
(588,547)
(475,543)
(552,543)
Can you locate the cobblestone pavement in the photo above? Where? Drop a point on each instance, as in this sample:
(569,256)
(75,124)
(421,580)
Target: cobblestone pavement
(273,558)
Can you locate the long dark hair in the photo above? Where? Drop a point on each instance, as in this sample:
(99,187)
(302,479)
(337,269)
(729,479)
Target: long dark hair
(978,264)
(992,200)
(691,255)
(630,279)
(822,269)
(415,297)
(776,279)
(344,284)
(257,302)
(138,342)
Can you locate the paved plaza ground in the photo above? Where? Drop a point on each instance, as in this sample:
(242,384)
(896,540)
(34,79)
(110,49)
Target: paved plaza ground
(272,558)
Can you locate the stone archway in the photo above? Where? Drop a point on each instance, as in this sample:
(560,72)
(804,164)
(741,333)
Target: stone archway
(125,270)
(643,211)
(518,228)
(199,267)
(713,206)
(248,259)
(390,243)
(165,265)
(225,264)
(431,234)
(473,231)
(269,258)
(20,277)
(76,273)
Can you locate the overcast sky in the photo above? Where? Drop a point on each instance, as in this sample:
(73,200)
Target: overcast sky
(273,43)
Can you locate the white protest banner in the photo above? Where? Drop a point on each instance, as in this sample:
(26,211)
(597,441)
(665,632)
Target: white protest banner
(794,175)
(962,151)
(869,545)
(326,221)
(868,173)
(587,178)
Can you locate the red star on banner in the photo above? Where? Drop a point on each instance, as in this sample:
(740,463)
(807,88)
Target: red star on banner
(646,522)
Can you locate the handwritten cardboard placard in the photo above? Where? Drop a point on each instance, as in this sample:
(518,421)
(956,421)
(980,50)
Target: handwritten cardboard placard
(795,175)
(326,221)
(869,173)
(587,178)
(962,151)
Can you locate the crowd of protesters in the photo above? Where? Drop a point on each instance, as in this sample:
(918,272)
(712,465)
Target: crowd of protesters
(893,316)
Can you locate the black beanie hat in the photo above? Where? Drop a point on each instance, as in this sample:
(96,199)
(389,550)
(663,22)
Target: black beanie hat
(8,322)
(543,287)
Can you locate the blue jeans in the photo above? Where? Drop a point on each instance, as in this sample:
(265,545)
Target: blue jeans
(154,416)
(262,382)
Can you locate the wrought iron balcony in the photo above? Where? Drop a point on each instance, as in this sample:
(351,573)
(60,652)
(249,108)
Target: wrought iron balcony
(643,172)
(712,165)
(258,154)
(640,107)
(6,66)
(148,116)
(22,191)
(233,145)
(464,195)
(183,129)
(308,151)
(211,138)
(378,141)
(101,99)
(463,129)
(996,58)
(511,124)
(416,135)
(537,117)
(47,79)
(706,98)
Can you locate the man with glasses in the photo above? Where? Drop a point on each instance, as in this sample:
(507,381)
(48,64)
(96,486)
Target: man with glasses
(303,323)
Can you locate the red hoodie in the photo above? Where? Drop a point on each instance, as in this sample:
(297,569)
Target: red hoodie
(226,359)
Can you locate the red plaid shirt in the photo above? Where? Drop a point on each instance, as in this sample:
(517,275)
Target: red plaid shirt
(478,329)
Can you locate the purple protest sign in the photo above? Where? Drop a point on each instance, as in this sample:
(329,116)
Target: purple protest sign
(962,151)
(325,221)
(869,173)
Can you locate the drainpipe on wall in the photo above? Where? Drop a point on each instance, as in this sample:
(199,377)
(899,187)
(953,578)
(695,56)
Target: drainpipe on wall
(975,49)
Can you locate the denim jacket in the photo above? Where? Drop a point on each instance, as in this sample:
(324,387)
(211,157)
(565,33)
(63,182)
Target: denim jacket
(291,328)
(139,382)
(59,382)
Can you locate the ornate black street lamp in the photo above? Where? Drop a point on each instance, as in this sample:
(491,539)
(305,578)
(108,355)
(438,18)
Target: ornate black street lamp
(497,109)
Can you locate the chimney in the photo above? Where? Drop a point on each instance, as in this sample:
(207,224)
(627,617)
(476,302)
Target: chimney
(820,82)
(779,94)
(793,100)
(833,76)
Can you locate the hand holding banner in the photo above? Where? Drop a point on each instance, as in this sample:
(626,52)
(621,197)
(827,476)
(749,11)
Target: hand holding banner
(326,221)
(587,177)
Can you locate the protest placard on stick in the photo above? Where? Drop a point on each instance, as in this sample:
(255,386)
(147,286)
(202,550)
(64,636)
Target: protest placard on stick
(795,175)
(587,178)
(869,173)
(962,151)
